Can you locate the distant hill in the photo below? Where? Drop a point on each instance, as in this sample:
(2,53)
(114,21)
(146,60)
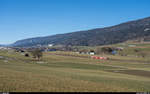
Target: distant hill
(1,45)
(133,30)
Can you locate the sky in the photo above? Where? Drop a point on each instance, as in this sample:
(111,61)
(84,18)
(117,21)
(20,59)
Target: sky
(21,19)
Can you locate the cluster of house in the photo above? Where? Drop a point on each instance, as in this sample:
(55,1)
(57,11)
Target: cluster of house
(43,49)
(49,48)
(5,48)
(113,51)
(87,52)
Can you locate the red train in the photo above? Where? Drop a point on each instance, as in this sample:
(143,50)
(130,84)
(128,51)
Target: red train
(97,57)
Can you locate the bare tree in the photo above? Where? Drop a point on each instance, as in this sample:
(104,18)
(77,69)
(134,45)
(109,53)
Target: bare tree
(37,53)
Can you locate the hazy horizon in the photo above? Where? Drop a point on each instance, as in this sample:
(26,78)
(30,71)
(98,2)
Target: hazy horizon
(21,19)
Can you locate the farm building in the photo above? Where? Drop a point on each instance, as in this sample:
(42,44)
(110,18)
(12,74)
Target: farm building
(50,45)
(92,52)
(87,52)
(114,52)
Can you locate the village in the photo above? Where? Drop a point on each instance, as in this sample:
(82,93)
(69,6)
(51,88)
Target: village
(93,52)
(51,48)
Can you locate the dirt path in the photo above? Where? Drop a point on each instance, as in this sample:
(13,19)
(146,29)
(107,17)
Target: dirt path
(132,72)
(132,61)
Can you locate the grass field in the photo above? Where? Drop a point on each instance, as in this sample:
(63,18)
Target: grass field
(69,73)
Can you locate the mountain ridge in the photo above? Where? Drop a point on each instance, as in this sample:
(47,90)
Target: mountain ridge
(93,37)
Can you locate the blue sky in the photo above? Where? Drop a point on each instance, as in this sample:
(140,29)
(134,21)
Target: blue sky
(20,19)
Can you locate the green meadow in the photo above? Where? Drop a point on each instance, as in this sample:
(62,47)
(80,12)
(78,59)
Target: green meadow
(72,72)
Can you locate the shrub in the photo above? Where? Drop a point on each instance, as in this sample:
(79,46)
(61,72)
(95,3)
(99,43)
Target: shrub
(26,55)
(106,50)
